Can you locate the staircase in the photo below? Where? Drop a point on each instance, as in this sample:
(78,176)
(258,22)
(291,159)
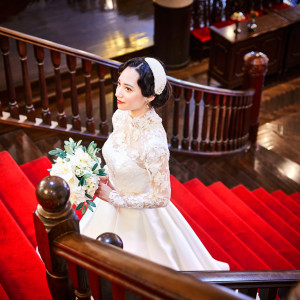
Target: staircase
(254,228)
(251,230)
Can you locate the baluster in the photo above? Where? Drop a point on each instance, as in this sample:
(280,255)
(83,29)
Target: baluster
(76,122)
(232,124)
(13,105)
(114,77)
(213,122)
(203,143)
(186,126)
(227,102)
(239,122)
(175,140)
(247,118)
(268,293)
(118,292)
(222,109)
(61,115)
(196,14)
(197,97)
(103,126)
(39,56)
(165,116)
(95,286)
(87,69)
(79,278)
(30,111)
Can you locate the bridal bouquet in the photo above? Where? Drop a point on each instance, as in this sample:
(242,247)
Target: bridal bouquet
(80,168)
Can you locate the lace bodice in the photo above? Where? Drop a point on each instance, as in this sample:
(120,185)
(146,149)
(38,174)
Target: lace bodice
(137,159)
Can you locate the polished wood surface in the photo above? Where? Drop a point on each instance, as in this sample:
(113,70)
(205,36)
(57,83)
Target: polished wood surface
(106,28)
(266,23)
(228,48)
(292,55)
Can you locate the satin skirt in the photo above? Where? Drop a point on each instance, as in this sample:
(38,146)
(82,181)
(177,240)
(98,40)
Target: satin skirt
(161,235)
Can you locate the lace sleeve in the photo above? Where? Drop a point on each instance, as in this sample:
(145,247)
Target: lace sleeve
(156,162)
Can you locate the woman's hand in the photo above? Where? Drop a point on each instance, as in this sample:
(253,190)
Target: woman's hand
(103,191)
(103,179)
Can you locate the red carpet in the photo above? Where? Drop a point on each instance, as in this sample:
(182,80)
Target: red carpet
(248,230)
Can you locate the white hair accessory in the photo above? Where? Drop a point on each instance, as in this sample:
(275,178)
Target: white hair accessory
(159,74)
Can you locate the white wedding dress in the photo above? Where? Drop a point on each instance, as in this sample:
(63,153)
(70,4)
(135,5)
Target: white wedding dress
(139,209)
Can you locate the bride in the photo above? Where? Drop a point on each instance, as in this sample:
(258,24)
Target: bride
(133,201)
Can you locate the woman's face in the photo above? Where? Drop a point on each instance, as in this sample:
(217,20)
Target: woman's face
(129,94)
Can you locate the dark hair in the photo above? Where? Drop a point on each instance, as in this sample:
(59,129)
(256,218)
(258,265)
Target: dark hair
(146,80)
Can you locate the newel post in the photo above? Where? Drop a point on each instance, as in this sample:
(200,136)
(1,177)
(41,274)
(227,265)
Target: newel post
(255,69)
(54,217)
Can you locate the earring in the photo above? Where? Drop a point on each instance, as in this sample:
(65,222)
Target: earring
(147,103)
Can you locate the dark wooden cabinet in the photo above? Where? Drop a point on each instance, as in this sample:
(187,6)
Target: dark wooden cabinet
(292,56)
(228,49)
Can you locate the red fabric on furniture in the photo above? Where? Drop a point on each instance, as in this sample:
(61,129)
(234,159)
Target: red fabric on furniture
(37,169)
(18,195)
(188,205)
(280,6)
(277,252)
(202,34)
(223,24)
(22,272)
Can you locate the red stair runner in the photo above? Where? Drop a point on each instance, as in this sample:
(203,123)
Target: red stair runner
(188,205)
(273,247)
(18,195)
(248,230)
(22,272)
(288,202)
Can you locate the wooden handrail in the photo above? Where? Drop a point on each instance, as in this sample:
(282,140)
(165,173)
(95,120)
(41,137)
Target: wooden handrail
(136,274)
(111,63)
(247,279)
(216,121)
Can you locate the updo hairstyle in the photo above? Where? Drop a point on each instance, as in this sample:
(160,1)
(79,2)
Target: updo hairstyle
(146,81)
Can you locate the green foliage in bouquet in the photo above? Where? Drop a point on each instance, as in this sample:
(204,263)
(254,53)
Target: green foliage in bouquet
(70,156)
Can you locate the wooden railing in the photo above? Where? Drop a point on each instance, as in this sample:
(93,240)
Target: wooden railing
(80,266)
(199,119)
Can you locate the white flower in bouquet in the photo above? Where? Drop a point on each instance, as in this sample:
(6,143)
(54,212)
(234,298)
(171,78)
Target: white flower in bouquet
(80,168)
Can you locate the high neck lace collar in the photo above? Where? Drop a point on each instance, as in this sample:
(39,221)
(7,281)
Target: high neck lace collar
(144,119)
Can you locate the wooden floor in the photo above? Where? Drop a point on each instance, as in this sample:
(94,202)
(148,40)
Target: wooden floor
(274,164)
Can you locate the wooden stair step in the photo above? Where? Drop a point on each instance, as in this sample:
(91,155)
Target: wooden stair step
(15,142)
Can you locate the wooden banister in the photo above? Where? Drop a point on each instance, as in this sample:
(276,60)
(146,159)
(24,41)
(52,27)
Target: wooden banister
(199,119)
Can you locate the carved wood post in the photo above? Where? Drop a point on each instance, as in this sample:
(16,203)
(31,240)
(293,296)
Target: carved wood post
(255,69)
(175,139)
(61,115)
(53,217)
(13,105)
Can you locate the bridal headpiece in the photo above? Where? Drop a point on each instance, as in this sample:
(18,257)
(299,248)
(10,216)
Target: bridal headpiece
(159,74)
